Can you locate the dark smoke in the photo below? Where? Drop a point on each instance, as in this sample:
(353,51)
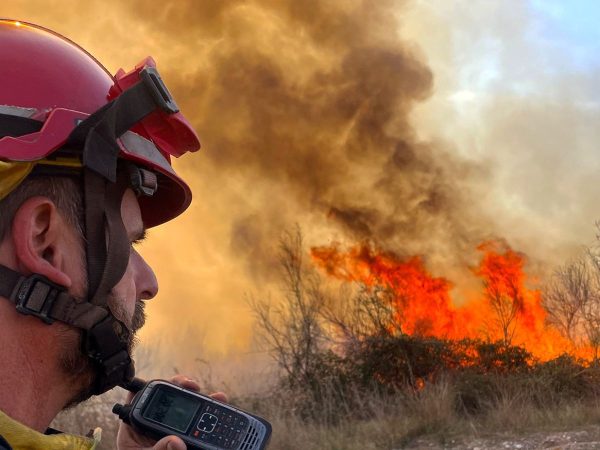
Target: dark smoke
(309,103)
(304,111)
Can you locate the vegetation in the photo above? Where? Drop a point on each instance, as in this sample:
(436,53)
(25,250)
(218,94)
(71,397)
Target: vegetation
(349,378)
(354,371)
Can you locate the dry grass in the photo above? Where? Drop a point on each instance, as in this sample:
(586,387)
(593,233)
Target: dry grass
(390,421)
(437,414)
(462,406)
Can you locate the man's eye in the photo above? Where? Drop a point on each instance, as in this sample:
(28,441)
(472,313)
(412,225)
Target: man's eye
(137,242)
(139,238)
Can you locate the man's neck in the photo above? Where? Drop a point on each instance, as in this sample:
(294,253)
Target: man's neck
(32,389)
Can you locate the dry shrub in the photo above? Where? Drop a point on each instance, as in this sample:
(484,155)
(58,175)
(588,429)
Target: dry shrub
(345,371)
(371,419)
(93,413)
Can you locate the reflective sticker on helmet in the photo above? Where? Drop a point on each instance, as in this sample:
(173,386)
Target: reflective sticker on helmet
(74,163)
(18,111)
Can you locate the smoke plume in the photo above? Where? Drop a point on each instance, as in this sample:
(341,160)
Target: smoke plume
(307,112)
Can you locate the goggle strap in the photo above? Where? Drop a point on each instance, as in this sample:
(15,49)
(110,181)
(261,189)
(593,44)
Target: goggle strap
(100,131)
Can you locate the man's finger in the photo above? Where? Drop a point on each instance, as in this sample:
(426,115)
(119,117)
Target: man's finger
(185,382)
(220,396)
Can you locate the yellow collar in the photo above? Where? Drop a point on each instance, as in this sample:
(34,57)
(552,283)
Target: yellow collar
(11,175)
(21,437)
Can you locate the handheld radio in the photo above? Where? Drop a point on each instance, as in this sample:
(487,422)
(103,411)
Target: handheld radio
(160,409)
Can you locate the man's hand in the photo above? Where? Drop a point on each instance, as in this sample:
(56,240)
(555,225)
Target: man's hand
(128,439)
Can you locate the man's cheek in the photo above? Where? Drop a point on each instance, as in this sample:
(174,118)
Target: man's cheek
(125,295)
(121,309)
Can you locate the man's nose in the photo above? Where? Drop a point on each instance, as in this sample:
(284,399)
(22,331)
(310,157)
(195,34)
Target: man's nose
(146,282)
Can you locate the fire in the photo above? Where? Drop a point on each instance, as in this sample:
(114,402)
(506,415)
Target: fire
(507,309)
(422,302)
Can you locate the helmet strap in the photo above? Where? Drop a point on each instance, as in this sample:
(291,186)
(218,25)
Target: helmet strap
(107,253)
(107,244)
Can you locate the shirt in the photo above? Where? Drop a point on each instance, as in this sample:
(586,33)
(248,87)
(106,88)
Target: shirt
(16,436)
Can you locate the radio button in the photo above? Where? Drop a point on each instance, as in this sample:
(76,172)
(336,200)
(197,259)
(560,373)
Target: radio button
(207,422)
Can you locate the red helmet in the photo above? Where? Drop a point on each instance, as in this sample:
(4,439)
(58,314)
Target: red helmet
(62,113)
(47,78)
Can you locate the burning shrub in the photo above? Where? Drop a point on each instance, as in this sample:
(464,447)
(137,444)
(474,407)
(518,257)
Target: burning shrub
(501,358)
(394,331)
(395,362)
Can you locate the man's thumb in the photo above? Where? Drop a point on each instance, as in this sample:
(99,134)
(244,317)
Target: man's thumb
(170,443)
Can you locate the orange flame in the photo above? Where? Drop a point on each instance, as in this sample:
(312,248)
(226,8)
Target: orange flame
(506,310)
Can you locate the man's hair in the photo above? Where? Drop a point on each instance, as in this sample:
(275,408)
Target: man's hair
(64,192)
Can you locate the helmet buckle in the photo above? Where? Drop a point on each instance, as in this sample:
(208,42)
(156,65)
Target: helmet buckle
(143,182)
(35,297)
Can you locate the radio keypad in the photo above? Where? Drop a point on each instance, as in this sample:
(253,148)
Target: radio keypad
(227,431)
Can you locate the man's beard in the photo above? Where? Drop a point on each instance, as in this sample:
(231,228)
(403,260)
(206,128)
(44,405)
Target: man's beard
(79,367)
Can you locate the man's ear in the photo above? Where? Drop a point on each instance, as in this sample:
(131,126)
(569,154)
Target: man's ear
(39,235)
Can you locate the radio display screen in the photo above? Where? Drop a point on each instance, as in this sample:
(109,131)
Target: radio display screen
(172,409)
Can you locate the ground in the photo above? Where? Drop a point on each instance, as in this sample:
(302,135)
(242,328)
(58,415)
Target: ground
(583,439)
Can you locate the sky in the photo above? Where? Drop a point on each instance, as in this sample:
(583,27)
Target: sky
(516,91)
(422,127)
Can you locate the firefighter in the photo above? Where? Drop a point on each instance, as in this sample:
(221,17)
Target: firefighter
(84,170)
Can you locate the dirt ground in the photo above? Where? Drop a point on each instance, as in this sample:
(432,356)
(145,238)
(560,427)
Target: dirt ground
(584,439)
